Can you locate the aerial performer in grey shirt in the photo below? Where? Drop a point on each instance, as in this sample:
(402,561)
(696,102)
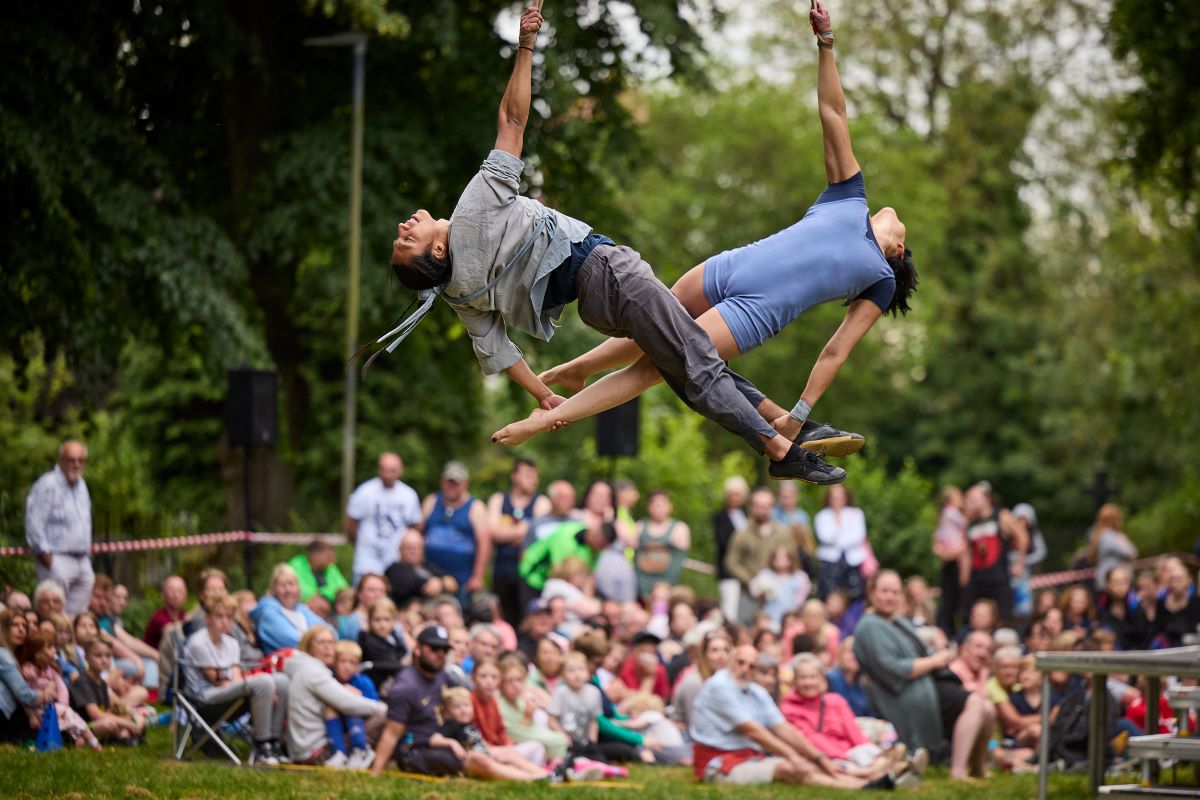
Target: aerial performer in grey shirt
(742,297)
(506,260)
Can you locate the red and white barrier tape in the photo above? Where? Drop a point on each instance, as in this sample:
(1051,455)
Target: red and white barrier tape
(1044,581)
(196,540)
(1049,579)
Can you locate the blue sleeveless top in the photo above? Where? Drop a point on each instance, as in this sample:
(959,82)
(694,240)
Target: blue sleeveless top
(830,254)
(508,556)
(450,539)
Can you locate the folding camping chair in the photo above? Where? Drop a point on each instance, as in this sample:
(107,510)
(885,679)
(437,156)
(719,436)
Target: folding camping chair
(197,725)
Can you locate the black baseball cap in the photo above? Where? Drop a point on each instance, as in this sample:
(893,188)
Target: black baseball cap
(434,636)
(641,637)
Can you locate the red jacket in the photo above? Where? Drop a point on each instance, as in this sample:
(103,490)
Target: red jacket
(833,732)
(489,721)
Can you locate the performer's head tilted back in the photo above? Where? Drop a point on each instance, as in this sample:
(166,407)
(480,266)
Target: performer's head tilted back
(421,251)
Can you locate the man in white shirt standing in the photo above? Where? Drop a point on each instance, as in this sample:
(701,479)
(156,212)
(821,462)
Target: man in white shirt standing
(58,526)
(379,513)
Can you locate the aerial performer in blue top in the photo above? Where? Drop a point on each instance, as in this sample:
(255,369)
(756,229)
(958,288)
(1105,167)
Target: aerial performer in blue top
(506,260)
(742,297)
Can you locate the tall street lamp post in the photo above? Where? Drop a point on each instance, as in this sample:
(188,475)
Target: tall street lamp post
(358,41)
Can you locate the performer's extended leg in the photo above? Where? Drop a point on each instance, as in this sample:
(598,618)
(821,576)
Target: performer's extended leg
(619,352)
(625,384)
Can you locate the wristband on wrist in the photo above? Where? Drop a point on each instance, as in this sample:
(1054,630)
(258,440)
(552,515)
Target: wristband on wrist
(525,47)
(800,411)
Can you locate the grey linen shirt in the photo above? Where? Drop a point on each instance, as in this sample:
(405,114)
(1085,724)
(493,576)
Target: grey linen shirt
(58,516)
(488,227)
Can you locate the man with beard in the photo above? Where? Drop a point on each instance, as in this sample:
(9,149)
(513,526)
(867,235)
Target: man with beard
(412,716)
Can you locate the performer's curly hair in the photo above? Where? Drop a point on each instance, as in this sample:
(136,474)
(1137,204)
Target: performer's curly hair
(906,282)
(424,271)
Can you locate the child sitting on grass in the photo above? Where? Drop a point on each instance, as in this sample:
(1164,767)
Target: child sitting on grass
(85,628)
(575,709)
(488,718)
(39,667)
(346,661)
(521,705)
(90,698)
(69,663)
(381,644)
(459,734)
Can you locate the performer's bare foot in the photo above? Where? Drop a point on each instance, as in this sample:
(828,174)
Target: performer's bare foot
(539,421)
(787,426)
(565,377)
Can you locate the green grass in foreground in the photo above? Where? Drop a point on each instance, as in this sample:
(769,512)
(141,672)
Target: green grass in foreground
(149,772)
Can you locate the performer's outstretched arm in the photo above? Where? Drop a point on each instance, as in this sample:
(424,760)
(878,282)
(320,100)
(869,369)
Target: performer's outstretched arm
(859,318)
(514,106)
(840,163)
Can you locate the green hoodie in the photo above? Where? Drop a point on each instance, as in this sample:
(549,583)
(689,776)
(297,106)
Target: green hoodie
(334,579)
(563,541)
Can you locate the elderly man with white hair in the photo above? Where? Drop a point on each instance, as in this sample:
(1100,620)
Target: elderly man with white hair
(58,526)
(739,735)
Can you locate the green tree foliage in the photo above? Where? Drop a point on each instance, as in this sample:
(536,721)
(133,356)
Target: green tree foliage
(1159,39)
(173,204)
(174,192)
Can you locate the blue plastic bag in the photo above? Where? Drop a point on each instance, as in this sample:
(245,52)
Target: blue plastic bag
(49,736)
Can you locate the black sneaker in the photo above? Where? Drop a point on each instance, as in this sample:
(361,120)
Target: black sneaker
(263,755)
(820,437)
(802,465)
(885,783)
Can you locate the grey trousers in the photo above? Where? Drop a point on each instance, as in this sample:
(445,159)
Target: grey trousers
(619,296)
(266,713)
(74,574)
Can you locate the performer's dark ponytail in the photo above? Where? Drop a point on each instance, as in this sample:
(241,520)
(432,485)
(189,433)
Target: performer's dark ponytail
(424,271)
(906,282)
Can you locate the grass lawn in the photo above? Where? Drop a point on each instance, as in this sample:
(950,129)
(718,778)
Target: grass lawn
(149,772)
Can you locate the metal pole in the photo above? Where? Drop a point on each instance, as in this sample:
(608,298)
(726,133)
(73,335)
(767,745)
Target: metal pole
(354,260)
(247,550)
(1153,692)
(1097,732)
(1044,740)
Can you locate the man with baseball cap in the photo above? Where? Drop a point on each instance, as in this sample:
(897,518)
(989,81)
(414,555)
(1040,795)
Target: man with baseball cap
(412,715)
(457,538)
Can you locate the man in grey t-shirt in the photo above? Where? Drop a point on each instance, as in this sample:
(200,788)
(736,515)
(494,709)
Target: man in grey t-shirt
(500,260)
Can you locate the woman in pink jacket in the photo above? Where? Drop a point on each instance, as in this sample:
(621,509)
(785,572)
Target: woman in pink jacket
(826,720)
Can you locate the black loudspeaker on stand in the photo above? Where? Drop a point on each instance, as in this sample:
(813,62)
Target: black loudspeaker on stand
(250,421)
(250,416)
(617,430)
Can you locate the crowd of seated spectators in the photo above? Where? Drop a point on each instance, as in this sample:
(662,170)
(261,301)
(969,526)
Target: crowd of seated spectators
(816,664)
